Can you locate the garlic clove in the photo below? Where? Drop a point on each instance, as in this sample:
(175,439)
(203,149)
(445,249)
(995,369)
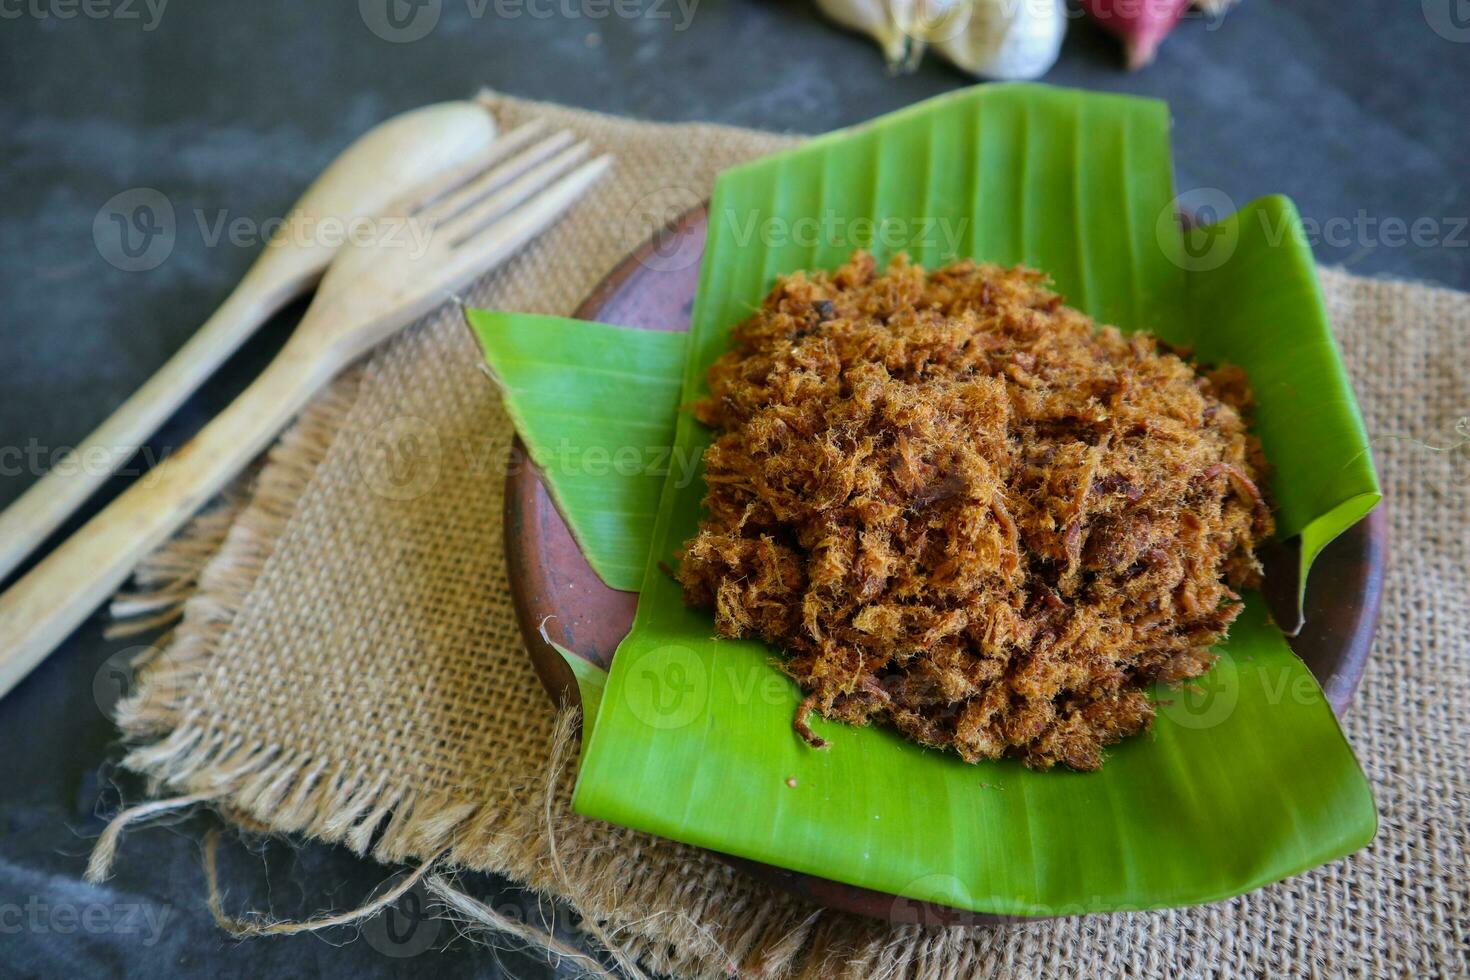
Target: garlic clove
(1009,40)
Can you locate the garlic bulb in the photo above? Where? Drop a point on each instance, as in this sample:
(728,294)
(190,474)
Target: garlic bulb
(1000,39)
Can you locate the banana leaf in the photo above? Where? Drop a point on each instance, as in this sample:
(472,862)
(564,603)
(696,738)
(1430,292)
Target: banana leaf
(1245,778)
(595,407)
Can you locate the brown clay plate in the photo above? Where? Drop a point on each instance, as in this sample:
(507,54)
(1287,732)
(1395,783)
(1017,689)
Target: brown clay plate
(552,583)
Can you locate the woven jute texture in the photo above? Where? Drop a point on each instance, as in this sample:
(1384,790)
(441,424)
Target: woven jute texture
(347,665)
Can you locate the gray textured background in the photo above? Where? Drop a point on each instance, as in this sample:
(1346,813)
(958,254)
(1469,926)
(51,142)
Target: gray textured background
(1356,110)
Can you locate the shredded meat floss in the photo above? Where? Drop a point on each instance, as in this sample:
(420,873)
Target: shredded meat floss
(961,509)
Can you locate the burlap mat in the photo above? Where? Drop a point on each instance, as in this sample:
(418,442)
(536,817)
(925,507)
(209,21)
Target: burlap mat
(348,666)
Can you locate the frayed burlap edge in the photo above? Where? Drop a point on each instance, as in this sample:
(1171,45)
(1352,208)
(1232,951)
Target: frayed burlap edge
(198,583)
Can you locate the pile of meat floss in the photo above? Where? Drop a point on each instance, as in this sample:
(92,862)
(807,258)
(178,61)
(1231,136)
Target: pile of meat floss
(961,509)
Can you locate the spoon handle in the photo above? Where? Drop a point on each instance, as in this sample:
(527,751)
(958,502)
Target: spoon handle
(52,599)
(71,481)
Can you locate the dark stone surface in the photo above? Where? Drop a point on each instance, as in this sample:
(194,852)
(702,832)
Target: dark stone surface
(1355,110)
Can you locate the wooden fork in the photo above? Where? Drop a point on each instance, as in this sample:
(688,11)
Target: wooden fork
(437,240)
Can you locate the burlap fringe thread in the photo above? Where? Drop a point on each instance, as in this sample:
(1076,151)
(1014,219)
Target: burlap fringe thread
(208,572)
(470,916)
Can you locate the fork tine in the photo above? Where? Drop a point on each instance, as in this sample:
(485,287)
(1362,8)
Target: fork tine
(432,191)
(487,210)
(491,242)
(463,198)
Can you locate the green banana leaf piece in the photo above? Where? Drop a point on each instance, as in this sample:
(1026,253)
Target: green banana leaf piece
(1245,779)
(595,406)
(1257,303)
